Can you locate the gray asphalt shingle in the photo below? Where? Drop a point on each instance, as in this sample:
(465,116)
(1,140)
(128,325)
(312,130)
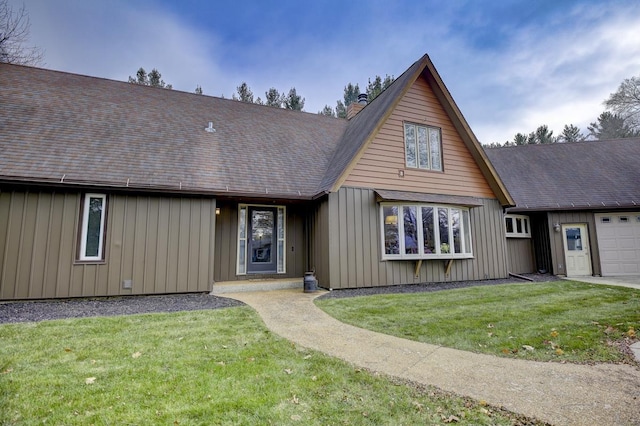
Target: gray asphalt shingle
(590,174)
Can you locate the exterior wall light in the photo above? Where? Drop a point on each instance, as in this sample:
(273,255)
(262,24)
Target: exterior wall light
(556,227)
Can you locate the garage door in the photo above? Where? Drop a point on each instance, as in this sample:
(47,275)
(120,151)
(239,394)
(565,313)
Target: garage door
(619,243)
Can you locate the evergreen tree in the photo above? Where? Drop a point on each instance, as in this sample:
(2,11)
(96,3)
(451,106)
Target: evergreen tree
(198,90)
(273,98)
(571,133)
(377,86)
(341,110)
(154,79)
(244,93)
(520,139)
(611,126)
(294,101)
(328,111)
(544,136)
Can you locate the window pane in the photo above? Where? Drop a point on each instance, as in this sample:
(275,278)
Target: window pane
(410,144)
(280,223)
(391,238)
(509,224)
(443,221)
(455,227)
(429,241)
(410,229)
(574,239)
(261,236)
(94,227)
(434,144)
(280,256)
(526,225)
(423,149)
(242,251)
(466,225)
(242,231)
(519,225)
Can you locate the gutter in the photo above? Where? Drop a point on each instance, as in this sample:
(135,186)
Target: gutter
(179,189)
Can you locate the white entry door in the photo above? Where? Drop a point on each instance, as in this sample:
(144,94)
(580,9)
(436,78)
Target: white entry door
(576,250)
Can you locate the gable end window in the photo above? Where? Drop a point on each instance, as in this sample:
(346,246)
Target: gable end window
(517,226)
(422,147)
(92,228)
(425,231)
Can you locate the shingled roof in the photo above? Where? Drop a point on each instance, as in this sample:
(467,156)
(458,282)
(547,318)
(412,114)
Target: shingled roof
(66,129)
(565,176)
(73,129)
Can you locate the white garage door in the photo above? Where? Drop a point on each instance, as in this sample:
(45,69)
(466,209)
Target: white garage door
(619,243)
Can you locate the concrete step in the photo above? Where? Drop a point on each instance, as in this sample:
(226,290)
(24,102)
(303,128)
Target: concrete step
(225,287)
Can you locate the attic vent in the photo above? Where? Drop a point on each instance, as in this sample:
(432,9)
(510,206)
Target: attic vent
(210,129)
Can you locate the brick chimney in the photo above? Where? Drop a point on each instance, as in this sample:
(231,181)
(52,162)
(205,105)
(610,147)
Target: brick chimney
(356,107)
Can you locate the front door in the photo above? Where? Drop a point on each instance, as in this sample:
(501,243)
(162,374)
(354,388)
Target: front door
(262,240)
(576,250)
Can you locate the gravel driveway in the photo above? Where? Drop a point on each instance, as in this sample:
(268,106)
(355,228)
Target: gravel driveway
(31,311)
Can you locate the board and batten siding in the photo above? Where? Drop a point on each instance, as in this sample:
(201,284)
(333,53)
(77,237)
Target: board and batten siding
(379,164)
(161,244)
(555,239)
(319,242)
(520,252)
(355,248)
(225,258)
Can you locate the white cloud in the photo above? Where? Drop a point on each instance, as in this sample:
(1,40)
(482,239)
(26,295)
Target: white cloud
(554,71)
(559,77)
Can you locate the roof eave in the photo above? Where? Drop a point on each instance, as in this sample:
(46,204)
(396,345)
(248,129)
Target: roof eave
(467,135)
(371,136)
(80,185)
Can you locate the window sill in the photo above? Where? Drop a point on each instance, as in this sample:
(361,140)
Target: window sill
(518,236)
(90,262)
(430,257)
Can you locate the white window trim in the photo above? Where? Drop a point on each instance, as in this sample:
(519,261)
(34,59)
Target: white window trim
(241,268)
(467,252)
(85,223)
(515,233)
(430,160)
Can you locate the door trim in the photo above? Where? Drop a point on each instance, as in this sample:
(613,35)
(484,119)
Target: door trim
(242,237)
(586,248)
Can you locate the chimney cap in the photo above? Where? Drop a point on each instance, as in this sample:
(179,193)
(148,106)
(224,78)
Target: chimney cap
(363,98)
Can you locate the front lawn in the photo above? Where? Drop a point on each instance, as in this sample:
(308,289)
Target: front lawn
(199,368)
(560,320)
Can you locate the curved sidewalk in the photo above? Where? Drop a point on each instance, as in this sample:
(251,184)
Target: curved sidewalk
(561,394)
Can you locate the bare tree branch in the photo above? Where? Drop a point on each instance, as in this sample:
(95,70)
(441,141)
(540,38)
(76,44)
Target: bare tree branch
(14,32)
(626,101)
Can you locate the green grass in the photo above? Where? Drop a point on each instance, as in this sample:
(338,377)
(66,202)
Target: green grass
(560,320)
(199,368)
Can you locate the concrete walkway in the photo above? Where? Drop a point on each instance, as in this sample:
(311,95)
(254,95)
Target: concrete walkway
(561,394)
(631,281)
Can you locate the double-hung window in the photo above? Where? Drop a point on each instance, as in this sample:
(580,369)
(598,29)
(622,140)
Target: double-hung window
(92,227)
(424,231)
(423,148)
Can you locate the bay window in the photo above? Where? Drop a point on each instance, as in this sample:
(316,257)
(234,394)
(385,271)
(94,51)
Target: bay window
(423,231)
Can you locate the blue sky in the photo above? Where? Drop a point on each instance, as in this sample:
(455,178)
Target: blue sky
(510,65)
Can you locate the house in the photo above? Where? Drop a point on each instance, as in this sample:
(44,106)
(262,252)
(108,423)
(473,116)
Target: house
(577,207)
(111,188)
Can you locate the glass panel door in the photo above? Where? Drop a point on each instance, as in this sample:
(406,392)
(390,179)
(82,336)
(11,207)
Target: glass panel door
(262,240)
